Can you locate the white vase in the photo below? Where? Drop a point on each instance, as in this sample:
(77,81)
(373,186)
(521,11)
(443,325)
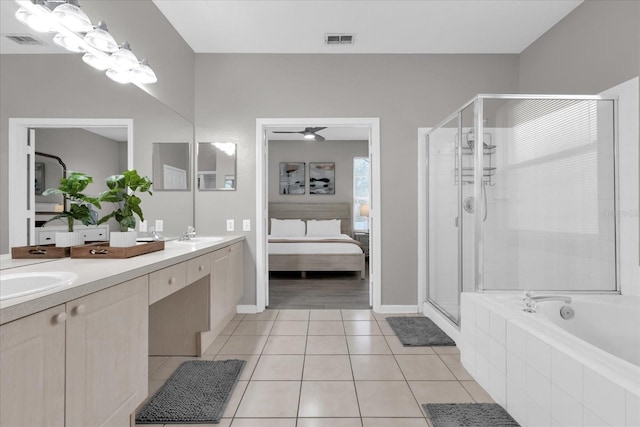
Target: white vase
(65,239)
(122,239)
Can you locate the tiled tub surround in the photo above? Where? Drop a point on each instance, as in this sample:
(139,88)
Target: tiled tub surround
(544,375)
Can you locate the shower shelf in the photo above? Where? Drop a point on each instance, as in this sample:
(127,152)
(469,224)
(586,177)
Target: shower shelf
(488,171)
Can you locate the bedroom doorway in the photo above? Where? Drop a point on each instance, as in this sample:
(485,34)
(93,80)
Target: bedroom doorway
(279,142)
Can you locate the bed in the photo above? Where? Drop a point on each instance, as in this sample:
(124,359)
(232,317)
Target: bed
(336,251)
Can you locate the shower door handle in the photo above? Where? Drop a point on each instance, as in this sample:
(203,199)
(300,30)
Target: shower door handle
(456,221)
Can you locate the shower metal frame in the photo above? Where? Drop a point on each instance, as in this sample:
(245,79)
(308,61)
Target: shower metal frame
(478,127)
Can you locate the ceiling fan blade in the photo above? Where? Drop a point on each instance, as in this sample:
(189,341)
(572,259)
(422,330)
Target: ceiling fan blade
(314,130)
(284,131)
(319,138)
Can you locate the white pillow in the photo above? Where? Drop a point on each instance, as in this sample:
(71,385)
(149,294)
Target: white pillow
(329,228)
(287,227)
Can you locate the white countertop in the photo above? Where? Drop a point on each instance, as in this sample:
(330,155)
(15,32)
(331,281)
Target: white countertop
(95,274)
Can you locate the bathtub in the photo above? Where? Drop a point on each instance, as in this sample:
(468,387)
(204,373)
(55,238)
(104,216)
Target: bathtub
(548,371)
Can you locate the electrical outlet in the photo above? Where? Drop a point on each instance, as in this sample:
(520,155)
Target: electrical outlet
(246,225)
(142,226)
(230,225)
(159,225)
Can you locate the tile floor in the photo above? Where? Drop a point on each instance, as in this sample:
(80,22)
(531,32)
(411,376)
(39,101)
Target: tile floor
(337,368)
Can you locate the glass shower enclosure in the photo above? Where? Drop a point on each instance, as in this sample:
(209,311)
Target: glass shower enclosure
(522,196)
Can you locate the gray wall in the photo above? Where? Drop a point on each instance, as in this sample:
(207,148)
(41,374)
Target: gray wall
(593,48)
(339,152)
(405,91)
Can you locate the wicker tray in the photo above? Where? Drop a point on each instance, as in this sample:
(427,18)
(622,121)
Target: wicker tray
(102,250)
(39,252)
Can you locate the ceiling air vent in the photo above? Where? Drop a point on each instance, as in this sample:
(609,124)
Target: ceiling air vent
(24,39)
(339,38)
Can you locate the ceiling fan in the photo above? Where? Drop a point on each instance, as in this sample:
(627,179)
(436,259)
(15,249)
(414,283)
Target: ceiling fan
(309,133)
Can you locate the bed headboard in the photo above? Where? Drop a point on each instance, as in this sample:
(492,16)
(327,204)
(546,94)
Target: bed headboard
(318,211)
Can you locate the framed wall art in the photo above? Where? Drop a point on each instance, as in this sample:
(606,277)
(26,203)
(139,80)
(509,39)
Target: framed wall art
(322,178)
(292,177)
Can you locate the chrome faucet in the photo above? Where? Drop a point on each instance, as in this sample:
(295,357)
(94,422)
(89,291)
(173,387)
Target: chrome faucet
(189,234)
(154,234)
(530,300)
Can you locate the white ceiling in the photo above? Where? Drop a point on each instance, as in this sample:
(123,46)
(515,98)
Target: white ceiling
(116,133)
(380,26)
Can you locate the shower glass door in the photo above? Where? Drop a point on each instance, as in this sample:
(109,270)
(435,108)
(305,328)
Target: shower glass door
(443,290)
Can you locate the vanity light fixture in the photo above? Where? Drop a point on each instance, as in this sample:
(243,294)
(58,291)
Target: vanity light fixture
(75,33)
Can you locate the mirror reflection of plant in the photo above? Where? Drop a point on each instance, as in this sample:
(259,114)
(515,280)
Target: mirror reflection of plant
(81,205)
(121,193)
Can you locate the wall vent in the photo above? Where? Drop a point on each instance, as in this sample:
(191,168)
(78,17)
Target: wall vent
(332,39)
(24,39)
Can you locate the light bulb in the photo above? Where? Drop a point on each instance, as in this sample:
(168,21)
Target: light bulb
(71,43)
(99,38)
(143,73)
(37,22)
(95,61)
(124,58)
(72,17)
(118,76)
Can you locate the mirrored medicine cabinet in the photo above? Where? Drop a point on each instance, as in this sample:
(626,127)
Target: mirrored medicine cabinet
(216,165)
(171,166)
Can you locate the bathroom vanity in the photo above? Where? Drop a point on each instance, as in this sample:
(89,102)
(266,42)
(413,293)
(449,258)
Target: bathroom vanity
(78,355)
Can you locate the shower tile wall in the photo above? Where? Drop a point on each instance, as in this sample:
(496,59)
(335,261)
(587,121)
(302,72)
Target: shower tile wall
(550,222)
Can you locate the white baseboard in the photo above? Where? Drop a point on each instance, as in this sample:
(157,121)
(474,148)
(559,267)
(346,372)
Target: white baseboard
(398,309)
(246,309)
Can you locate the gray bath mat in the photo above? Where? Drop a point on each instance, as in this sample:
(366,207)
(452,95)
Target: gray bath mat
(197,392)
(468,415)
(418,331)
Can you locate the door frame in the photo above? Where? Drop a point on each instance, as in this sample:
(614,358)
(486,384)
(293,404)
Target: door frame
(262,216)
(18,140)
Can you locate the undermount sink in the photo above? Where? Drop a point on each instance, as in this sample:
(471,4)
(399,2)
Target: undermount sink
(20,284)
(202,239)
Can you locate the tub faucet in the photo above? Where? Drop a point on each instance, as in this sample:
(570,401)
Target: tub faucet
(530,300)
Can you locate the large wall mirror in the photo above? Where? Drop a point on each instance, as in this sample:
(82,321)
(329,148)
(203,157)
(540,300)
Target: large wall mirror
(216,166)
(171,171)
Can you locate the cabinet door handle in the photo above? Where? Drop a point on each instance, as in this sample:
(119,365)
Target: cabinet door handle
(61,317)
(200,268)
(172,281)
(80,309)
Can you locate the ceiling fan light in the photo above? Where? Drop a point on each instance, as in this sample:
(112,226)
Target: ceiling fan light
(37,22)
(72,44)
(143,73)
(124,58)
(72,17)
(97,62)
(99,38)
(309,136)
(118,76)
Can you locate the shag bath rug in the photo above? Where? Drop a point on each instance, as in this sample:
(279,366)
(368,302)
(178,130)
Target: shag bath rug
(468,415)
(197,392)
(418,331)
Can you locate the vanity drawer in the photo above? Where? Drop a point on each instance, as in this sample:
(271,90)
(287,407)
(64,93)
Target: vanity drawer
(46,237)
(167,281)
(95,234)
(197,268)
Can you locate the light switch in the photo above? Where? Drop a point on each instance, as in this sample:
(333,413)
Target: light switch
(230,225)
(159,225)
(142,227)
(246,225)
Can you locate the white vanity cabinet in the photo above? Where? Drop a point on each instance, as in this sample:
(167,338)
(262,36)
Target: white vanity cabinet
(227,285)
(97,344)
(32,370)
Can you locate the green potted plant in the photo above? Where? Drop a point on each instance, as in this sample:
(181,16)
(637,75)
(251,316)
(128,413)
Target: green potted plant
(80,207)
(121,193)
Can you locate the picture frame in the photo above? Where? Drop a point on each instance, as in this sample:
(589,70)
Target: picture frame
(292,179)
(39,178)
(322,178)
